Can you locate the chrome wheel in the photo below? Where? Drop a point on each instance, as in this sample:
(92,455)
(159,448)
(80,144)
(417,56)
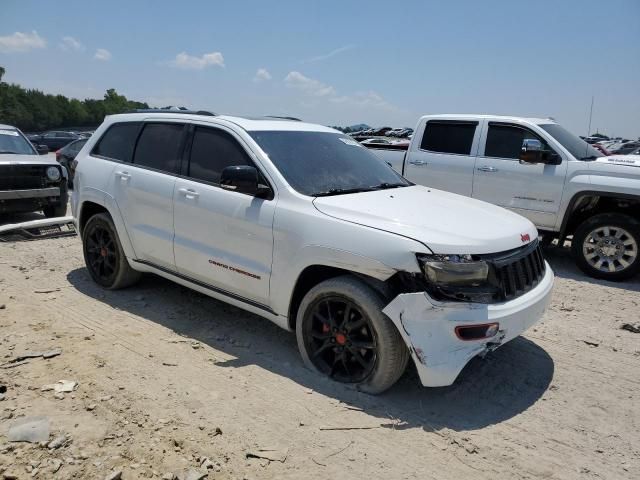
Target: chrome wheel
(610,249)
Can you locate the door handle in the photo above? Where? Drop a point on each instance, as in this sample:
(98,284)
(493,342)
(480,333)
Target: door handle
(124,176)
(188,192)
(488,169)
(418,162)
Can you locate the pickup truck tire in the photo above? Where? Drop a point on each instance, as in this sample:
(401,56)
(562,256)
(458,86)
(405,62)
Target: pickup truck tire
(342,333)
(606,245)
(104,256)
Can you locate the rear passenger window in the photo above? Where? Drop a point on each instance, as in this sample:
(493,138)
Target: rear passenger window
(118,142)
(159,147)
(211,152)
(449,137)
(505,141)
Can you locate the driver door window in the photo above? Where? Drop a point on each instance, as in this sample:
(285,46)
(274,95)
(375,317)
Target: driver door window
(505,141)
(212,151)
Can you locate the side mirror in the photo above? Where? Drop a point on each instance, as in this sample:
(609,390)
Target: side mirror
(243,179)
(532,151)
(42,149)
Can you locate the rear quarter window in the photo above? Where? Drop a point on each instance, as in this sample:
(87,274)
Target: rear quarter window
(118,142)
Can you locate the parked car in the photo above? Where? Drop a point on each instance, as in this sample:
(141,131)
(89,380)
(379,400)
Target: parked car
(379,141)
(302,225)
(538,169)
(55,139)
(66,156)
(625,148)
(29,181)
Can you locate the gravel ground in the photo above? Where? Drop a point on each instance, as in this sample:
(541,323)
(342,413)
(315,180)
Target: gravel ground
(171,383)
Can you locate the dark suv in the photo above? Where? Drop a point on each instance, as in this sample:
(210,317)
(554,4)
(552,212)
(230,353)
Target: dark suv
(28,181)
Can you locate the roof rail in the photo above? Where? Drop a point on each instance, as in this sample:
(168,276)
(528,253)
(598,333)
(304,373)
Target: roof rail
(171,111)
(279,117)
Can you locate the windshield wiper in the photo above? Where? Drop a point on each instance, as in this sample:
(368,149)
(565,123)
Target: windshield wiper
(10,152)
(341,191)
(385,185)
(591,157)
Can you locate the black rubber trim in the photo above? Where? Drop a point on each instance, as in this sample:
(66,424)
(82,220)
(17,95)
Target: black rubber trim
(589,193)
(209,287)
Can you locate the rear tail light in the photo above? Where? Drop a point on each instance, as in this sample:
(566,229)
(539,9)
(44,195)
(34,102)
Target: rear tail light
(477,332)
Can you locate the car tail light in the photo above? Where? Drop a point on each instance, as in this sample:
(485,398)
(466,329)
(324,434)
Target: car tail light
(58,155)
(477,331)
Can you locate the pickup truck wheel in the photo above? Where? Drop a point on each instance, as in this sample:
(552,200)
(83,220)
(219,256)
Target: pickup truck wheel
(342,333)
(103,254)
(606,246)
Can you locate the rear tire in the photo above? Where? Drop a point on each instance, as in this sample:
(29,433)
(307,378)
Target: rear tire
(343,334)
(104,256)
(605,246)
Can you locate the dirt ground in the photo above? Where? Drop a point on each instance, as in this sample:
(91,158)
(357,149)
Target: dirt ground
(171,382)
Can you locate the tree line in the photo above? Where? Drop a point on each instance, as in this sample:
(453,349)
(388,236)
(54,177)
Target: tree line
(32,110)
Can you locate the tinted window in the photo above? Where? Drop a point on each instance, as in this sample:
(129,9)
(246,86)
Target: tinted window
(159,146)
(449,137)
(324,163)
(118,142)
(576,146)
(213,150)
(505,141)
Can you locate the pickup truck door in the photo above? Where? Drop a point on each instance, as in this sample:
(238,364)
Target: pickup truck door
(443,156)
(533,191)
(223,239)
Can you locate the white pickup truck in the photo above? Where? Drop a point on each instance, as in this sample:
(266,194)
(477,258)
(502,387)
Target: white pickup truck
(534,167)
(304,226)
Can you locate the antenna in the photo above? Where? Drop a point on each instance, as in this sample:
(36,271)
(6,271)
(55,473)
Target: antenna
(586,150)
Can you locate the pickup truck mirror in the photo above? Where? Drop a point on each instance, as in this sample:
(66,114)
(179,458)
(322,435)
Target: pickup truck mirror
(243,179)
(42,149)
(532,151)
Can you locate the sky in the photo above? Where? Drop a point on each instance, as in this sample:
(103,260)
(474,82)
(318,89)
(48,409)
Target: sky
(339,63)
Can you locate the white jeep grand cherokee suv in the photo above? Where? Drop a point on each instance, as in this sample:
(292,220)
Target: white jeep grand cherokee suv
(300,224)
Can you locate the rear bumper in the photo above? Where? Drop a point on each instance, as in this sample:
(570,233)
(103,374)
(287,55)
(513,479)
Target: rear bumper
(428,328)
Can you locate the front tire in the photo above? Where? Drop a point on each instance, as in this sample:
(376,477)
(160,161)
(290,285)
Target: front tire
(104,256)
(343,334)
(605,246)
(54,212)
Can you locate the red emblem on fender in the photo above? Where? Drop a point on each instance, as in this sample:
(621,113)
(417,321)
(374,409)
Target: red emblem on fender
(525,237)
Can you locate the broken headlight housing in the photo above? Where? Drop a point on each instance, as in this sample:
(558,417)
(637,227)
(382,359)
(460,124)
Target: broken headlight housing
(458,277)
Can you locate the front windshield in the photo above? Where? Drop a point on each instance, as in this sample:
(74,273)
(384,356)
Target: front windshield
(574,144)
(12,142)
(324,163)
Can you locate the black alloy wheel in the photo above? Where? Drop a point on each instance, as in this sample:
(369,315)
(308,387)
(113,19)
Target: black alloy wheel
(101,254)
(340,339)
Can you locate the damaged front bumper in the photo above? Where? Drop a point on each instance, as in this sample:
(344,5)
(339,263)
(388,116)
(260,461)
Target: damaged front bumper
(428,328)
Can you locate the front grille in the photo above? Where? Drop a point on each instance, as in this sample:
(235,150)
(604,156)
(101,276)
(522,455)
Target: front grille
(22,177)
(519,271)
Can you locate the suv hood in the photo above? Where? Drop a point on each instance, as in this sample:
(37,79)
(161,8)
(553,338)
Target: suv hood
(626,160)
(15,159)
(445,222)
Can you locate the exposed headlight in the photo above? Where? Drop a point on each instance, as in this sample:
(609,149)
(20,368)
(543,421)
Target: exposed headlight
(53,174)
(454,270)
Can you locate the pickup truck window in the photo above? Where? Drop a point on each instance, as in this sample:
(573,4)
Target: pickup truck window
(505,141)
(577,147)
(324,163)
(211,151)
(118,141)
(449,136)
(159,146)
